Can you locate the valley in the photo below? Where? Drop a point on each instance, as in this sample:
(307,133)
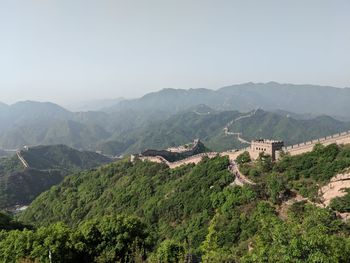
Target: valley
(214,184)
(185,202)
(175,131)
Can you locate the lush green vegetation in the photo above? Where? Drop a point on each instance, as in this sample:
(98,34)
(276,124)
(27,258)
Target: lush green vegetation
(61,157)
(342,204)
(108,239)
(20,188)
(8,223)
(193,210)
(302,173)
(135,129)
(48,166)
(185,126)
(11,164)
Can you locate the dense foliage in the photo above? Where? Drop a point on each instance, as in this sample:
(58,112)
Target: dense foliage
(193,211)
(8,223)
(303,173)
(48,166)
(342,204)
(108,239)
(173,200)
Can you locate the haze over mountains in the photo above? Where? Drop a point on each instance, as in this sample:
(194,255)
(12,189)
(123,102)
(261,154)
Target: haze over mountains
(92,105)
(317,100)
(129,125)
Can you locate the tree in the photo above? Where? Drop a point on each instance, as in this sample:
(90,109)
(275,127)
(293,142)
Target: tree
(243,158)
(170,251)
(15,245)
(7,222)
(341,204)
(56,240)
(265,162)
(113,238)
(276,187)
(313,238)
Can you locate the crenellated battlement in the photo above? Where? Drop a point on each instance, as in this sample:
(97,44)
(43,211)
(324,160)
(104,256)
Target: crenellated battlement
(339,138)
(270,147)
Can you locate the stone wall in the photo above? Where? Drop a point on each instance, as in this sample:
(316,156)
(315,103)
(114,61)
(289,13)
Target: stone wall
(339,138)
(269,147)
(172,156)
(160,156)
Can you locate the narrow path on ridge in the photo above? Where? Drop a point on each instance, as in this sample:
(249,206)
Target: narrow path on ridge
(240,179)
(24,162)
(238,134)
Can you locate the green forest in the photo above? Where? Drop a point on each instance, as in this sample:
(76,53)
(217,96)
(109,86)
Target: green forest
(48,165)
(146,212)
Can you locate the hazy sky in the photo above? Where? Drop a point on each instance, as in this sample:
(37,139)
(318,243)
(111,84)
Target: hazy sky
(74,50)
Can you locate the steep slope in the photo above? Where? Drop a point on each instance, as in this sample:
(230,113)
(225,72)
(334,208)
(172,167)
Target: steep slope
(27,111)
(146,189)
(197,206)
(48,165)
(61,157)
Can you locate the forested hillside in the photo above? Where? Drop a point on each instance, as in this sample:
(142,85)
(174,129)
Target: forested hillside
(209,127)
(283,127)
(48,165)
(51,157)
(195,209)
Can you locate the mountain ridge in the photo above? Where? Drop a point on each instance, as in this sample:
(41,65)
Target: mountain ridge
(47,166)
(298,98)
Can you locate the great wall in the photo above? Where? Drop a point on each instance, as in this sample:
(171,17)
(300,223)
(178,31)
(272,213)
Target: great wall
(238,135)
(173,154)
(340,138)
(22,160)
(335,188)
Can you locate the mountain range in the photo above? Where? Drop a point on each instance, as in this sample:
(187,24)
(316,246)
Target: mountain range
(171,117)
(317,100)
(87,207)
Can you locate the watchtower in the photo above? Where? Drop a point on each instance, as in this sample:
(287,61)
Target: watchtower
(269,147)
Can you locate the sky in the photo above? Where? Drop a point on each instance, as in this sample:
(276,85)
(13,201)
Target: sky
(77,50)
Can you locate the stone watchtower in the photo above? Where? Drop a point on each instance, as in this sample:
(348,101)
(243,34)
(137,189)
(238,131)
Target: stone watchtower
(269,147)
